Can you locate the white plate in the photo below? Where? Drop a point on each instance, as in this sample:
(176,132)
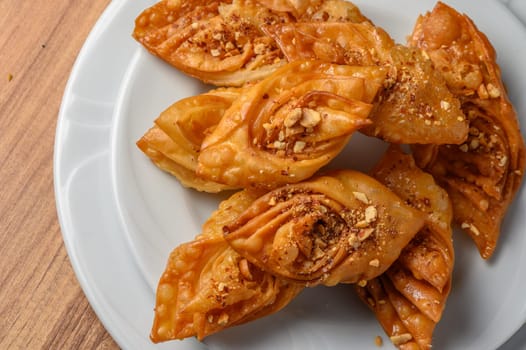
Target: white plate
(121,216)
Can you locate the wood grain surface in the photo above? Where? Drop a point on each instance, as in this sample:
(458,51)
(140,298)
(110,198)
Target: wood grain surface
(41,303)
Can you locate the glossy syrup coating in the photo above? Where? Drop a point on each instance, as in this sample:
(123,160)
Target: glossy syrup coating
(483,173)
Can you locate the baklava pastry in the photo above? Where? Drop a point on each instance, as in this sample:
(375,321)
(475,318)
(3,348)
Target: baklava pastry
(218,42)
(409,298)
(415,104)
(208,287)
(344,227)
(483,173)
(286,127)
(173,143)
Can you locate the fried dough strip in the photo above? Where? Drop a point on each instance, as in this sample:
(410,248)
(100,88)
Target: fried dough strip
(482,174)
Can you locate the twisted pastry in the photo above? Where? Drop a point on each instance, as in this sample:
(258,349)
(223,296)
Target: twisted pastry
(221,42)
(173,143)
(218,42)
(482,174)
(409,298)
(344,227)
(415,105)
(207,287)
(286,127)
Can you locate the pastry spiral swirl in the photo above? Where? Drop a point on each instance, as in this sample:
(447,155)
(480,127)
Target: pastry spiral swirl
(344,227)
(286,127)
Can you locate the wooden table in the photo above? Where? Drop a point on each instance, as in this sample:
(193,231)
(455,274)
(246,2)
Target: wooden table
(41,303)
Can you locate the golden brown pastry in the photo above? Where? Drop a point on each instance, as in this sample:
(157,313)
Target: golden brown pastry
(218,42)
(409,298)
(222,42)
(208,287)
(482,174)
(415,105)
(286,127)
(173,143)
(349,43)
(344,227)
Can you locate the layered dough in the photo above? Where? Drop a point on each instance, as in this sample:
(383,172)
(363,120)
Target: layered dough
(259,250)
(174,142)
(222,42)
(409,298)
(217,42)
(286,127)
(341,228)
(483,173)
(207,287)
(414,104)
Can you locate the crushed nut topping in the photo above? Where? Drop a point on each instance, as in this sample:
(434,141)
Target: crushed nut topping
(361,224)
(293,118)
(362,283)
(471,227)
(361,197)
(502,161)
(493,91)
(223,319)
(310,118)
(279,144)
(353,241)
(374,263)
(370,214)
(445,105)
(365,233)
(221,286)
(299,146)
(401,338)
(482,92)
(217,36)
